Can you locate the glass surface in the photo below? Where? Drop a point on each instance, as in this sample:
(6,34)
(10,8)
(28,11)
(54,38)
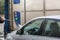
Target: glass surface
(52,28)
(33,27)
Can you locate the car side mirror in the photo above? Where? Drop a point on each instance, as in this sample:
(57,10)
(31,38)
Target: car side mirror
(20,32)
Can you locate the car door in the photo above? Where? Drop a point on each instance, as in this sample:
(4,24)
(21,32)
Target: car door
(52,29)
(31,31)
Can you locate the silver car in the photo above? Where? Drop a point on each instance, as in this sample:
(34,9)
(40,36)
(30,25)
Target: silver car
(40,28)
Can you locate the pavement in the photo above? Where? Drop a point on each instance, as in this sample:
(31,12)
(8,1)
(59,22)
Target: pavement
(1,27)
(2,31)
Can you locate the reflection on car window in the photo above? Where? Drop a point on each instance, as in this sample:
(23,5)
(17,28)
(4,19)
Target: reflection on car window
(52,28)
(33,27)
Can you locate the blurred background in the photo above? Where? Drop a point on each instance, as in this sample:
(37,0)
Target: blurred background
(30,9)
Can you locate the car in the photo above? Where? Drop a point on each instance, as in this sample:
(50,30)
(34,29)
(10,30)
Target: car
(40,28)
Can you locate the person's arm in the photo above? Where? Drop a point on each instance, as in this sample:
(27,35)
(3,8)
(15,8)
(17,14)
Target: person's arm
(1,20)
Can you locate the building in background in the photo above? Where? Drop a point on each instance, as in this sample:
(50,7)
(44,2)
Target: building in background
(36,8)
(1,6)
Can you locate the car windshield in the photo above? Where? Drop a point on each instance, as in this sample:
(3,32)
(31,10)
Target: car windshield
(33,27)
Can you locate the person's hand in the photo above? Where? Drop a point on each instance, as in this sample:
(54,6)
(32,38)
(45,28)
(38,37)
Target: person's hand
(1,20)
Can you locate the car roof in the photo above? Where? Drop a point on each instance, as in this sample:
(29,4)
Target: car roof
(52,17)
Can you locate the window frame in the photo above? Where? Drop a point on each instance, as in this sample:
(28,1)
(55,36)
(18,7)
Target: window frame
(22,29)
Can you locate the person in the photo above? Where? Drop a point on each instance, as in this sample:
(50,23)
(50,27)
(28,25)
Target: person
(1,20)
(54,30)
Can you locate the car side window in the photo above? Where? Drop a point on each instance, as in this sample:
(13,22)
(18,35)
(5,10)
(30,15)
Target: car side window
(33,27)
(52,28)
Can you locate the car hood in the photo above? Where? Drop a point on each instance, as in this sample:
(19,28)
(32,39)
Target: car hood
(12,33)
